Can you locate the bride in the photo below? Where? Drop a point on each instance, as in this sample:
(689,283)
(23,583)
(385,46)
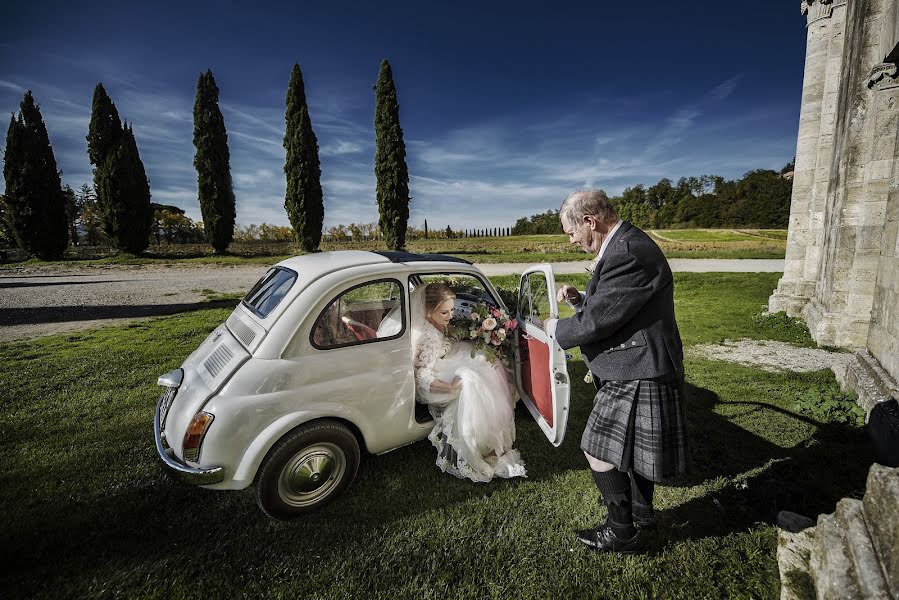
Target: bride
(469,398)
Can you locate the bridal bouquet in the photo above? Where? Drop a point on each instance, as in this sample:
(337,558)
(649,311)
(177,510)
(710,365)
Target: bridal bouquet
(490,331)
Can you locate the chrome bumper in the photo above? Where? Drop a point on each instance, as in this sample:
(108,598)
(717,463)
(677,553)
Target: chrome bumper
(192,475)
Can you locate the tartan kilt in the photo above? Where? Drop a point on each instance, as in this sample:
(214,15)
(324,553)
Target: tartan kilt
(639,425)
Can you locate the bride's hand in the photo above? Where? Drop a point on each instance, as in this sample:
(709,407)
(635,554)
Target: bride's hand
(456,384)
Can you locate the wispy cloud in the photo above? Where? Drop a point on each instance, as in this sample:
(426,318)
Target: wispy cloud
(489,172)
(12,86)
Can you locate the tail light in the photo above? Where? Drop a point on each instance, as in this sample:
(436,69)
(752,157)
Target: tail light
(193,438)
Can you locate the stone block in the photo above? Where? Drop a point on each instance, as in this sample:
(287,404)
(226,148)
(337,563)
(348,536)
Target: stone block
(795,252)
(829,562)
(881,508)
(880,169)
(865,564)
(859,307)
(885,144)
(793,551)
(874,212)
(816,221)
(888,237)
(869,238)
(893,205)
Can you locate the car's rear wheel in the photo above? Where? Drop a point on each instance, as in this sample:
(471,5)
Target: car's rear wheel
(308,468)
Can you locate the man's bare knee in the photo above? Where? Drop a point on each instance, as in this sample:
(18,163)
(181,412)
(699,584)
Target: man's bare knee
(598,465)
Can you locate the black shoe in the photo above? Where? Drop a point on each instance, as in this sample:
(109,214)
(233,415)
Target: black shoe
(603,539)
(649,524)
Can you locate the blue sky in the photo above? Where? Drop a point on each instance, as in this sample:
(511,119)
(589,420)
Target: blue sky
(505,106)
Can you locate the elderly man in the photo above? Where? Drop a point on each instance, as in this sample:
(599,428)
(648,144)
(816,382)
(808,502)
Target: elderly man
(625,326)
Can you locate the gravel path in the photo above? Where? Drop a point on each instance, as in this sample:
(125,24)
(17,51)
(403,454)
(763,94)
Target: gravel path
(41,300)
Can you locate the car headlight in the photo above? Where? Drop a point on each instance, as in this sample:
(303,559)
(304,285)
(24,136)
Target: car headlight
(193,438)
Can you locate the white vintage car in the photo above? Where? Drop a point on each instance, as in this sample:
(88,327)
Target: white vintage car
(314,366)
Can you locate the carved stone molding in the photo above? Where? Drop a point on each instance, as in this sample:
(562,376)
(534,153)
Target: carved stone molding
(819,9)
(884,76)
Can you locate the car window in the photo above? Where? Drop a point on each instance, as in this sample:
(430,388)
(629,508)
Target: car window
(363,314)
(270,290)
(469,290)
(533,303)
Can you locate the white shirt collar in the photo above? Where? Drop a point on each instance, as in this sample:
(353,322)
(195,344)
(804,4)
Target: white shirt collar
(605,242)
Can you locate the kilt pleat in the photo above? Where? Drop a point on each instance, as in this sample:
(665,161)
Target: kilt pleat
(639,425)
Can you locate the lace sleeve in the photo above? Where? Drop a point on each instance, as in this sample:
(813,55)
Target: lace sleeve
(426,354)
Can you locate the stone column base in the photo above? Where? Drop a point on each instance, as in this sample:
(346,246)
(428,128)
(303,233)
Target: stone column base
(834,329)
(790,297)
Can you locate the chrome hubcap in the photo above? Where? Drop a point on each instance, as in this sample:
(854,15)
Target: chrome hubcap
(311,474)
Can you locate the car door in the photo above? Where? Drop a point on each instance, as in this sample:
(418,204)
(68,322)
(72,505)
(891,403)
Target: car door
(541,371)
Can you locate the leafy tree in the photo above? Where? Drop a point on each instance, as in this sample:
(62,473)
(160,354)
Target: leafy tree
(213,163)
(391,173)
(6,236)
(303,201)
(89,222)
(123,196)
(35,205)
(71,208)
(546,223)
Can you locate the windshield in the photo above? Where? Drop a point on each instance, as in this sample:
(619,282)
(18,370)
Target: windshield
(269,290)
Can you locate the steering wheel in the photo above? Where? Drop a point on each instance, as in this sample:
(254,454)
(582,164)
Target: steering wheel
(464,303)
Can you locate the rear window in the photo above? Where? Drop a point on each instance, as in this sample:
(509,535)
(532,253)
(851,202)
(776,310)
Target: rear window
(268,291)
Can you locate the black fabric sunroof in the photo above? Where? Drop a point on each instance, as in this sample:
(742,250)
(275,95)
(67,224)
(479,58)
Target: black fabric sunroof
(404,257)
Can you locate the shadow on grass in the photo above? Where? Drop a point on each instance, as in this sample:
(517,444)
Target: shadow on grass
(62,314)
(132,523)
(808,479)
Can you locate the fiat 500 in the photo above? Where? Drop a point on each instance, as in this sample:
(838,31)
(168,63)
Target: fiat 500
(314,366)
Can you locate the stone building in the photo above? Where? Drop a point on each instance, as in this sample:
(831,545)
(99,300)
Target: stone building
(842,263)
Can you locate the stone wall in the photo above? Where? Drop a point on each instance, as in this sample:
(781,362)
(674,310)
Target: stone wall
(842,246)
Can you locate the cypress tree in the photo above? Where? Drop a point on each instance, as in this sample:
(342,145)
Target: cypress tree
(303,200)
(34,205)
(426,229)
(213,163)
(391,173)
(105,130)
(123,196)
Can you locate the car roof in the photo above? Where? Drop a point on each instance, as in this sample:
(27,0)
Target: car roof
(317,264)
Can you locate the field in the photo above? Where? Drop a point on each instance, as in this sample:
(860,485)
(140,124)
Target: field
(88,511)
(676,243)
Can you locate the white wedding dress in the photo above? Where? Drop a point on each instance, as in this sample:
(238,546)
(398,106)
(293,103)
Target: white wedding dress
(475,426)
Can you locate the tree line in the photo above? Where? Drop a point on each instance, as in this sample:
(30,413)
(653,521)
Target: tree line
(760,199)
(41,216)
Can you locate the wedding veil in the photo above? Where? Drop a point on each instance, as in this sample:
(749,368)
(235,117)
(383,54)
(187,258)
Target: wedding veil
(417,314)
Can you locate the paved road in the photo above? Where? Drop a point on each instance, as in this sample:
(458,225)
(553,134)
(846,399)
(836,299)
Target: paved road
(692,265)
(38,301)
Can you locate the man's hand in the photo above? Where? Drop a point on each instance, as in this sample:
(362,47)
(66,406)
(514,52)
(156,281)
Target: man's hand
(569,293)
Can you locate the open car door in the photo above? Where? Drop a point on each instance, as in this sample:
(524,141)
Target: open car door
(541,372)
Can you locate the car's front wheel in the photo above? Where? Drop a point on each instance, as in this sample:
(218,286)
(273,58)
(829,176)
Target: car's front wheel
(308,468)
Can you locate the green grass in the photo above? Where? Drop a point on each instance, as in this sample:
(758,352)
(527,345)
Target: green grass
(676,243)
(88,512)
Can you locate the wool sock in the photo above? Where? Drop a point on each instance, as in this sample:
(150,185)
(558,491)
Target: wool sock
(615,488)
(641,490)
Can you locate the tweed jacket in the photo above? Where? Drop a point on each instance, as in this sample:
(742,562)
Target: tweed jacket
(625,322)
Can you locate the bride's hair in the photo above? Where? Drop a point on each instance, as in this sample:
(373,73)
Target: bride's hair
(435,295)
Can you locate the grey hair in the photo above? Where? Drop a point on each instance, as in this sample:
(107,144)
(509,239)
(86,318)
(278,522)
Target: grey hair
(587,202)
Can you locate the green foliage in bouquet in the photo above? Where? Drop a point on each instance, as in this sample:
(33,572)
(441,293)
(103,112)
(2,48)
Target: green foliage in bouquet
(490,331)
